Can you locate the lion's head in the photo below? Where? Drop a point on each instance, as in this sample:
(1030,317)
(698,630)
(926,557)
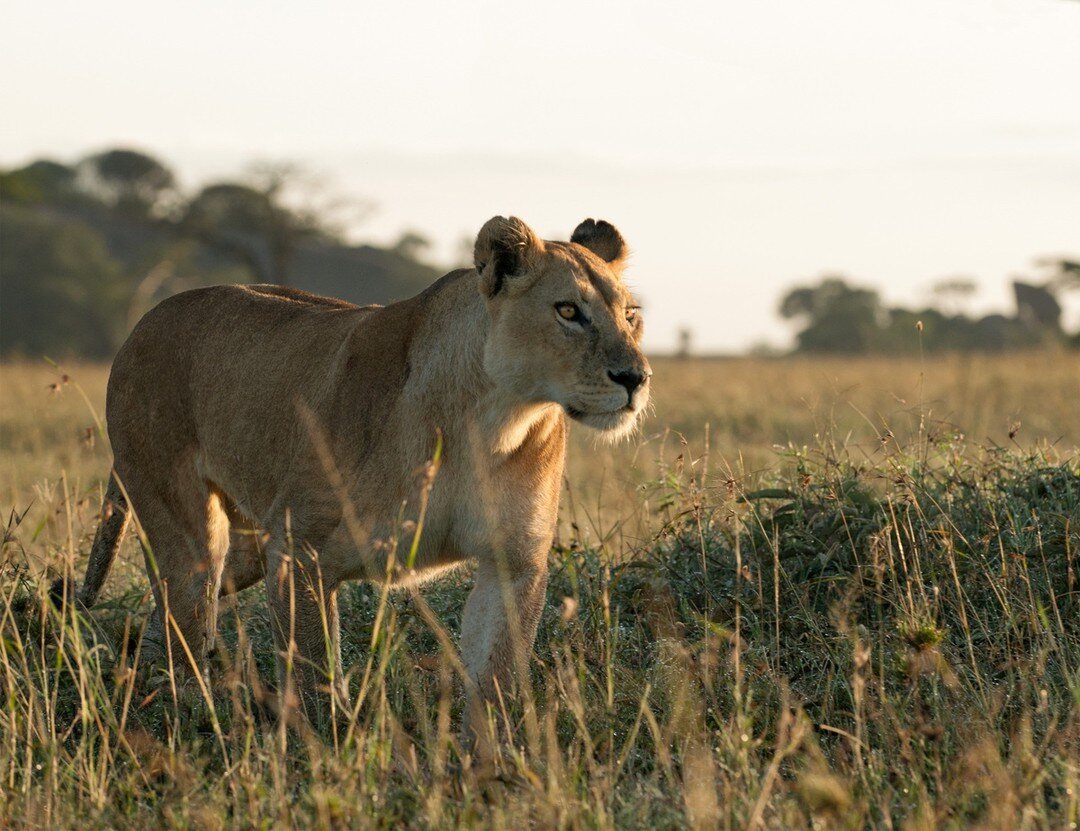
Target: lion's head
(564,328)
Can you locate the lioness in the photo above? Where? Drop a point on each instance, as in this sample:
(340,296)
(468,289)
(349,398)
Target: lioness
(261,431)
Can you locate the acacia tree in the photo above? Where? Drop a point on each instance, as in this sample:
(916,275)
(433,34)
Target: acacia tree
(954,292)
(260,221)
(1064,273)
(837,317)
(133,182)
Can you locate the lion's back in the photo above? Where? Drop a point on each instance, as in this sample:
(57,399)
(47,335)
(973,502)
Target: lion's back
(222,358)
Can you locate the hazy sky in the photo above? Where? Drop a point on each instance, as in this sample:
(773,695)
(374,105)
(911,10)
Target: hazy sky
(740,146)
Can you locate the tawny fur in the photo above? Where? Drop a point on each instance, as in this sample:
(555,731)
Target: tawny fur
(263,432)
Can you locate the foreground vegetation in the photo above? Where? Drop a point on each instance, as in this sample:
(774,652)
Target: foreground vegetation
(831,594)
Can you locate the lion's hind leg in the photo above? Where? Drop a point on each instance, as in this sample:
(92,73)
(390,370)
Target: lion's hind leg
(187,539)
(304,610)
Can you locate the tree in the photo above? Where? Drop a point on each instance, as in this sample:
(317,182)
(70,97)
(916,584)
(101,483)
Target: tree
(954,292)
(836,317)
(1036,306)
(412,244)
(235,220)
(261,221)
(1064,273)
(133,182)
(41,181)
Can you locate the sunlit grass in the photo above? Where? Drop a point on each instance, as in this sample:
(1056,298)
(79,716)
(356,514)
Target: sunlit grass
(812,594)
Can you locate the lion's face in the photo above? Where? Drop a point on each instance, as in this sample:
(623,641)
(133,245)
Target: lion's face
(564,328)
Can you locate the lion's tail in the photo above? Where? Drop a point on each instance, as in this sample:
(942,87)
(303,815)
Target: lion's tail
(110,533)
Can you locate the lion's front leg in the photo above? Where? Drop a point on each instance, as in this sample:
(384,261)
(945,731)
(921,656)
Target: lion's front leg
(497,634)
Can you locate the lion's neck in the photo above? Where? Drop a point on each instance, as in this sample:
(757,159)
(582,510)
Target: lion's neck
(495,420)
(504,427)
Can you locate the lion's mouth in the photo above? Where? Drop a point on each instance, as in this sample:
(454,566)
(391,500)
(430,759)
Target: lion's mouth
(607,420)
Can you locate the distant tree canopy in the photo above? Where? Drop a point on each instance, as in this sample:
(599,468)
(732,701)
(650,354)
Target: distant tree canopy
(128,180)
(88,247)
(246,225)
(253,222)
(839,318)
(40,181)
(60,286)
(1064,273)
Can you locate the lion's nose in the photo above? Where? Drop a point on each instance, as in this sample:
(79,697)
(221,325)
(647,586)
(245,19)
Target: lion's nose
(629,378)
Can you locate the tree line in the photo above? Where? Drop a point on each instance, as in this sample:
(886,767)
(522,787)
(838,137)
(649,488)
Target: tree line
(89,246)
(838,317)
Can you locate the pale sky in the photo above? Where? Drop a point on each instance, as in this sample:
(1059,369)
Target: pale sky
(741,147)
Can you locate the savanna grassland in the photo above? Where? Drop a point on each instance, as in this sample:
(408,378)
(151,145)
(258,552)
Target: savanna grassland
(809,593)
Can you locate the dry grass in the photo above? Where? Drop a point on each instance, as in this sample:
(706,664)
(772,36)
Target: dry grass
(814,593)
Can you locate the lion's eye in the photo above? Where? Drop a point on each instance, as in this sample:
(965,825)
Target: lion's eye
(632,313)
(568,311)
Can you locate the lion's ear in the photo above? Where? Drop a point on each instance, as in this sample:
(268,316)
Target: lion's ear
(603,239)
(504,250)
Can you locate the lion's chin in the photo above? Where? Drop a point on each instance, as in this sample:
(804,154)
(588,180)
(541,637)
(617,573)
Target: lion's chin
(611,425)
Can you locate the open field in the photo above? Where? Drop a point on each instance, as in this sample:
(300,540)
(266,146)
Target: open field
(809,594)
